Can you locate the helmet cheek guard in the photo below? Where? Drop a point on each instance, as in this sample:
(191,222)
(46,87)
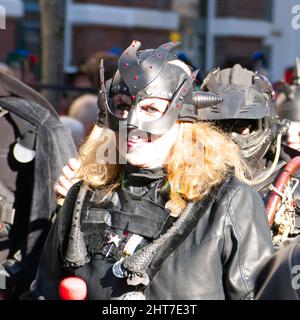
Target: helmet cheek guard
(107,115)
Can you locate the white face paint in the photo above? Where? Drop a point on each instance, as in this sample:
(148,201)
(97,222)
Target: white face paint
(146,151)
(294,135)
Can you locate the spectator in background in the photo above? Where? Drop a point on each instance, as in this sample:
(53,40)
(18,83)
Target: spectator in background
(85,110)
(288,75)
(81,80)
(288,107)
(25,65)
(185,58)
(90,67)
(260,63)
(76,127)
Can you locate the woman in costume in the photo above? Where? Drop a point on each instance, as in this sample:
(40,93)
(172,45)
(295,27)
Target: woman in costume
(165,214)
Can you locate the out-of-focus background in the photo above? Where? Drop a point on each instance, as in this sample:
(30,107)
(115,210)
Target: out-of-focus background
(55,45)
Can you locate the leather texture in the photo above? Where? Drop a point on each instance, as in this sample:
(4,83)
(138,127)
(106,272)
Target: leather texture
(217,260)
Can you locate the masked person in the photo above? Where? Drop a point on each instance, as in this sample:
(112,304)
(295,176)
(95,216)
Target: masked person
(247,114)
(169,218)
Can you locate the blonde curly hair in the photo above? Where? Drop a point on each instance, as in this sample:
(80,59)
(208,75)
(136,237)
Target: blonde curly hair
(200,159)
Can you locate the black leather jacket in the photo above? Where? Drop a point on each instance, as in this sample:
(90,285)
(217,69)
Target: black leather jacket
(217,260)
(279,278)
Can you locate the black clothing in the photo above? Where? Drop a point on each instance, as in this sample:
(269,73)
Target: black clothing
(279,278)
(217,260)
(31,184)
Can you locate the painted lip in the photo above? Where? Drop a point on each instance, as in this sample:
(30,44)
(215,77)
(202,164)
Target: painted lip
(135,143)
(136,140)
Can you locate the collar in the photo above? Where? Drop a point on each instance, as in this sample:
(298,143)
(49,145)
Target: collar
(139,177)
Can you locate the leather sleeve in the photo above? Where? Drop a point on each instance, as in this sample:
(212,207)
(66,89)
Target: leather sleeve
(247,242)
(279,278)
(50,271)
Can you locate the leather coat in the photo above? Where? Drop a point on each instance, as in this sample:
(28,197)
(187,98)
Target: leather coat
(217,260)
(279,279)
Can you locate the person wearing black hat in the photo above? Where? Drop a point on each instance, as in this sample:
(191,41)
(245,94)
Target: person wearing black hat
(165,214)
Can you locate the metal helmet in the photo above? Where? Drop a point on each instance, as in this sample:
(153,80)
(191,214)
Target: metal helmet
(288,102)
(149,74)
(247,103)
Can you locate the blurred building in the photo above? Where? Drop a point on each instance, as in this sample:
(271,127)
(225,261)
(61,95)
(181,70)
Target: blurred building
(14,10)
(218,32)
(93,25)
(214,32)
